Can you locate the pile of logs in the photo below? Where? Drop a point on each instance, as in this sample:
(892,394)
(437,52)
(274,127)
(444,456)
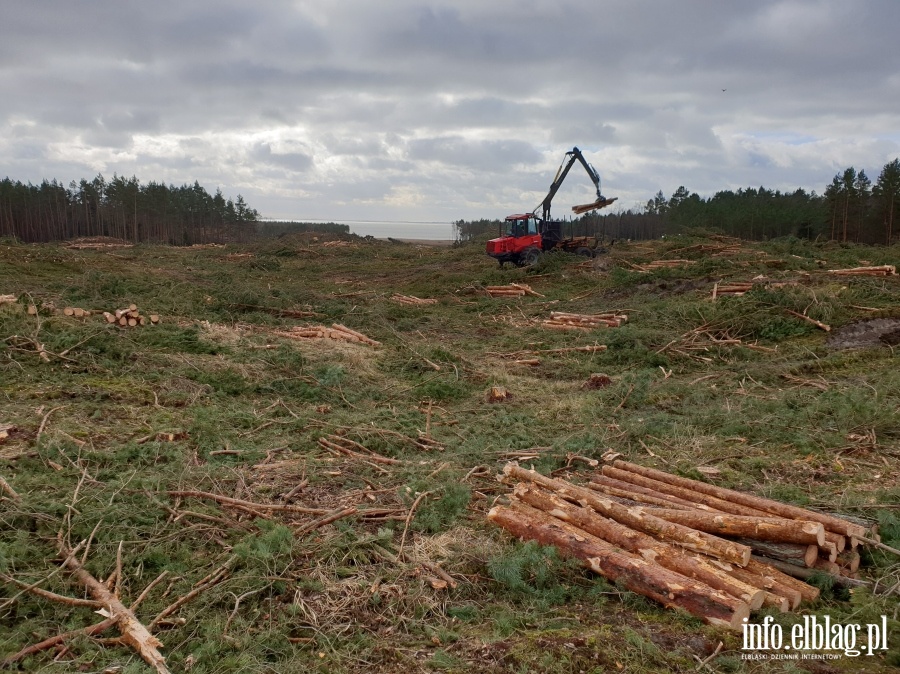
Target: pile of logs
(336,331)
(412,299)
(127,318)
(881,270)
(735,288)
(512,290)
(714,552)
(561,320)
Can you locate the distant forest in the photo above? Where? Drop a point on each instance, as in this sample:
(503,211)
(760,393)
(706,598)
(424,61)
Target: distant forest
(122,208)
(851,209)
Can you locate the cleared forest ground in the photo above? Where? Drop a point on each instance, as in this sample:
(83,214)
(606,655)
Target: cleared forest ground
(318,504)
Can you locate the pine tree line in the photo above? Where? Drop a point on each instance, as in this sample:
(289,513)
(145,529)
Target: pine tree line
(851,209)
(122,208)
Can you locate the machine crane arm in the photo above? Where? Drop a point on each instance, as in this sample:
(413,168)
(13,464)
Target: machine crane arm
(561,173)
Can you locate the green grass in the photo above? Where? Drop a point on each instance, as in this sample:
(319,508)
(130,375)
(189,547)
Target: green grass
(211,400)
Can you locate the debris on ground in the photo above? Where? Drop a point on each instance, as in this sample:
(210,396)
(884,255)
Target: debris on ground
(498,394)
(336,331)
(597,380)
(97,243)
(663,264)
(714,552)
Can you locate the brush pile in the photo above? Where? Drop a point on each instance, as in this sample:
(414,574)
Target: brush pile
(561,320)
(336,332)
(714,552)
(512,290)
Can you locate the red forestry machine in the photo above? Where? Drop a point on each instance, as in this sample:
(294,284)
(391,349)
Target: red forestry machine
(524,236)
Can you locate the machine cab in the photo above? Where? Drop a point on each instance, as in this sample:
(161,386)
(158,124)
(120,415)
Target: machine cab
(521,225)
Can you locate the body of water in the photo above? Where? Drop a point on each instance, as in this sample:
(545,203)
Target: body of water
(382,229)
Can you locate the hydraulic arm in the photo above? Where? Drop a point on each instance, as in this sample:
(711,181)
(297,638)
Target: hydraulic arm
(572,156)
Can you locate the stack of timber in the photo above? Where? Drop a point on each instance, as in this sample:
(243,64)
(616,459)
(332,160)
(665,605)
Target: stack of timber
(336,331)
(512,290)
(562,320)
(714,552)
(412,299)
(731,289)
(663,264)
(126,318)
(881,270)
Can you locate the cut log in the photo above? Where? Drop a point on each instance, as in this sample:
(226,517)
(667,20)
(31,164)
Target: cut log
(786,552)
(828,551)
(683,493)
(839,542)
(762,566)
(649,548)
(804,573)
(831,523)
(637,518)
(354,333)
(638,575)
(775,529)
(778,595)
(635,492)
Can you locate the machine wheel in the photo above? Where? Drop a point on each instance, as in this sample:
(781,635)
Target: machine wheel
(584,251)
(530,256)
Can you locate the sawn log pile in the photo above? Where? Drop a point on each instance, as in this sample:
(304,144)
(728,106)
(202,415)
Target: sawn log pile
(714,552)
(512,290)
(881,270)
(561,320)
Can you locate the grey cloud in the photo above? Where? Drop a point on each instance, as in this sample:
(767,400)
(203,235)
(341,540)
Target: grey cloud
(458,151)
(293,161)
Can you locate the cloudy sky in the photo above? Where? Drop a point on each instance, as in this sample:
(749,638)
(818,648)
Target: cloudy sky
(417,110)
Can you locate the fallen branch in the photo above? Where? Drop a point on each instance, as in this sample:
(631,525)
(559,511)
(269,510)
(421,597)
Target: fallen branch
(134,633)
(818,324)
(334,516)
(91,631)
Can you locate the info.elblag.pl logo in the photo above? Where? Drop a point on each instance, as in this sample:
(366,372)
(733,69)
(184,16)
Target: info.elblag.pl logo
(816,638)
